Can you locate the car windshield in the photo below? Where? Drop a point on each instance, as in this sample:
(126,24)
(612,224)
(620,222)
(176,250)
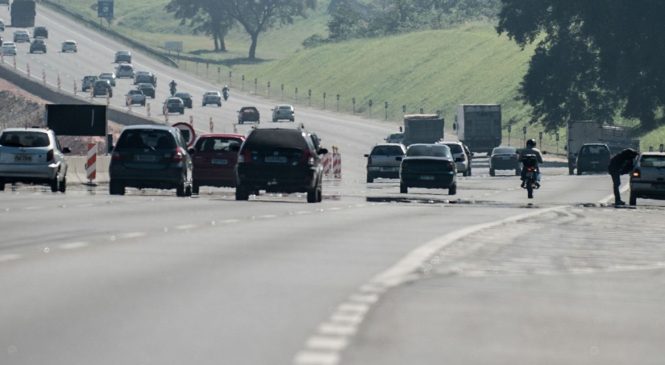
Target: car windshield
(216,144)
(595,150)
(24,139)
(387,151)
(504,151)
(652,161)
(105,76)
(146,138)
(428,150)
(135,92)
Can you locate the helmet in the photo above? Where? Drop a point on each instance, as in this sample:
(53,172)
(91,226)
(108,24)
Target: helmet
(531,143)
(226,86)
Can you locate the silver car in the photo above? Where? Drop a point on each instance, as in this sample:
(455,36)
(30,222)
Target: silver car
(283,112)
(384,161)
(648,178)
(69,46)
(109,76)
(32,155)
(461,156)
(125,70)
(21,36)
(135,97)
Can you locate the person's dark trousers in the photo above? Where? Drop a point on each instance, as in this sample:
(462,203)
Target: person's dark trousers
(616,181)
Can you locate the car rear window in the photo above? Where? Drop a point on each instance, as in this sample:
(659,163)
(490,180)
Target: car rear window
(24,139)
(146,138)
(455,148)
(387,151)
(504,151)
(216,144)
(275,138)
(428,150)
(285,107)
(595,150)
(652,161)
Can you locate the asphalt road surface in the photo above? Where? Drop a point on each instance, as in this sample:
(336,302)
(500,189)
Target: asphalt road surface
(369,276)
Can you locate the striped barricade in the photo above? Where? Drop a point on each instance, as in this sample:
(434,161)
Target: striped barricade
(91,162)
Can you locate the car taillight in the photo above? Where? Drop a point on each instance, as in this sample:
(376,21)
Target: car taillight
(309,158)
(636,174)
(245,156)
(451,165)
(50,155)
(179,155)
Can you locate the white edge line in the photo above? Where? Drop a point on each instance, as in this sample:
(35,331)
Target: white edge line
(9,257)
(73,245)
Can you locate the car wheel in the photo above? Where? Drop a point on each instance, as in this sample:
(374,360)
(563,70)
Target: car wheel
(55,185)
(143,103)
(195,187)
(470,172)
(242,193)
(116,188)
(403,189)
(2,185)
(63,185)
(219,104)
(452,190)
(370,179)
(579,171)
(312,195)
(292,119)
(180,190)
(518,172)
(571,170)
(182,111)
(633,199)
(188,190)
(492,172)
(274,120)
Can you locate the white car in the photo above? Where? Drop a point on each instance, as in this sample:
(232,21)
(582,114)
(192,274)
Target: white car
(21,36)
(9,49)
(69,46)
(461,155)
(648,178)
(124,70)
(34,156)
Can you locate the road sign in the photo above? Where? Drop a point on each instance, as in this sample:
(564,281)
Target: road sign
(187,132)
(105,9)
(76,120)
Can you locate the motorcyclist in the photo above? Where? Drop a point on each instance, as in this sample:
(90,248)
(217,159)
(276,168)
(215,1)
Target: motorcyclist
(225,91)
(530,150)
(172,87)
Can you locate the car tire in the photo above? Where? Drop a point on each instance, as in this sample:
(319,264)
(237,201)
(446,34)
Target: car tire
(63,185)
(219,104)
(188,190)
(143,103)
(571,170)
(579,171)
(292,119)
(633,199)
(470,172)
(492,172)
(274,120)
(55,185)
(195,187)
(452,190)
(370,179)
(518,172)
(180,190)
(2,185)
(242,193)
(116,188)
(403,189)
(314,194)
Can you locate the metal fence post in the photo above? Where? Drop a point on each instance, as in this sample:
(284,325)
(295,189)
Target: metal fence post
(353,101)
(385,106)
(309,97)
(324,100)
(268,88)
(242,87)
(337,102)
(370,107)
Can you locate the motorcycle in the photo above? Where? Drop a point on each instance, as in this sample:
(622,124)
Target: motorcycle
(172,88)
(225,93)
(531,174)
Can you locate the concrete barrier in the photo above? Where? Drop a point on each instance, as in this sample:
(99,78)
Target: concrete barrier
(76,173)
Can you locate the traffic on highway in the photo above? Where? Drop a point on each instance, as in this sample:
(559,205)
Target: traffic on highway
(220,226)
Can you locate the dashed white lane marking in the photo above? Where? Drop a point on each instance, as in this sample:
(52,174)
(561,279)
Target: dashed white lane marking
(344,322)
(316,358)
(73,245)
(131,235)
(267,216)
(327,343)
(184,227)
(32,208)
(229,221)
(9,257)
(303,212)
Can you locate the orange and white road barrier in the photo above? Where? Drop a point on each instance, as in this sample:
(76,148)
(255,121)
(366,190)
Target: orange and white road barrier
(147,108)
(337,163)
(91,162)
(327,161)
(212,125)
(27,69)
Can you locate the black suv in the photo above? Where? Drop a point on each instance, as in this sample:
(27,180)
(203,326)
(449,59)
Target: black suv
(38,45)
(279,160)
(593,157)
(147,89)
(151,156)
(40,32)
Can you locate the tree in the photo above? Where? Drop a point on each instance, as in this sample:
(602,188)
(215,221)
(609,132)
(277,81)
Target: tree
(257,16)
(592,59)
(206,16)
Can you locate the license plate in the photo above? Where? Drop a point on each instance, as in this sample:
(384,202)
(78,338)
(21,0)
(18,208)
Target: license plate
(217,161)
(22,158)
(505,157)
(146,158)
(276,159)
(427,178)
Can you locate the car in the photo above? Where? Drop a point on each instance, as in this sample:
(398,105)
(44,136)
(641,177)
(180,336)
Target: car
(124,70)
(69,46)
(283,112)
(88,82)
(150,156)
(141,77)
(428,166)
(215,157)
(279,160)
(2,22)
(2,40)
(593,157)
(146,89)
(647,179)
(8,49)
(211,97)
(186,98)
(110,76)
(248,114)
(40,32)
(394,138)
(174,105)
(102,87)
(38,45)
(461,155)
(135,97)
(123,56)
(384,160)
(21,36)
(505,158)
(33,156)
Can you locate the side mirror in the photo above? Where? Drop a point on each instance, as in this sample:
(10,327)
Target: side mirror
(66,150)
(398,158)
(322,151)
(366,155)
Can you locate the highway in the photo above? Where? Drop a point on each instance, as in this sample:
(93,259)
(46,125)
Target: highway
(369,276)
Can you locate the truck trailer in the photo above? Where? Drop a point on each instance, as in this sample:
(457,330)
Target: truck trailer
(422,128)
(479,126)
(588,131)
(23,13)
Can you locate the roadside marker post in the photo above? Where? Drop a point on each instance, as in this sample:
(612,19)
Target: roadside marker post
(147,109)
(211,125)
(191,120)
(59,82)
(91,163)
(27,69)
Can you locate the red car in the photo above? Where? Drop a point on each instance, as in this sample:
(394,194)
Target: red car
(215,160)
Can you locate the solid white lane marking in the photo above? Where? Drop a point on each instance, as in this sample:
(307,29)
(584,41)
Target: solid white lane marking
(131,235)
(9,257)
(316,358)
(326,343)
(32,208)
(183,227)
(73,245)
